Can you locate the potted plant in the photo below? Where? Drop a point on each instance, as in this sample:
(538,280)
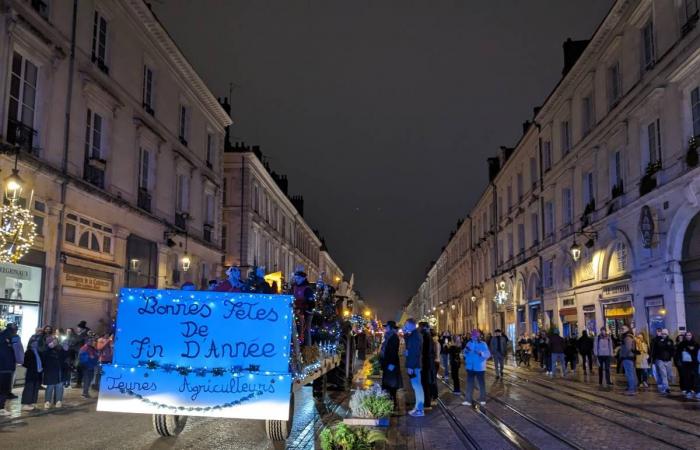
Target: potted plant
(648,181)
(343,437)
(371,407)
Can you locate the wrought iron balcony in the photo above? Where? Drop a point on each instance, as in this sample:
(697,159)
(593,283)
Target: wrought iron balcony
(94,174)
(144,199)
(181,220)
(22,136)
(207,232)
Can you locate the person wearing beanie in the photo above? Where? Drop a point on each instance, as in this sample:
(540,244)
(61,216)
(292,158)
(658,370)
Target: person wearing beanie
(476,353)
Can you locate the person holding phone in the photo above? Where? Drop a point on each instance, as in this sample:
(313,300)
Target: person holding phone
(414,350)
(476,353)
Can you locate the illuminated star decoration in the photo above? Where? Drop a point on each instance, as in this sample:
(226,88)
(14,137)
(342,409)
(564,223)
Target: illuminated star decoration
(17,231)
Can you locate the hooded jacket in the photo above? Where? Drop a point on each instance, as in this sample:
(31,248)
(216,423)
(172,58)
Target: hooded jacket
(414,349)
(476,353)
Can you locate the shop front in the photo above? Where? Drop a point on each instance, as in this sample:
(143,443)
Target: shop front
(536,317)
(589,320)
(618,307)
(22,291)
(87,294)
(568,315)
(656,313)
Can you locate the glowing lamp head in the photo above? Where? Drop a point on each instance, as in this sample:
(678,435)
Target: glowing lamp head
(575,251)
(473,298)
(186,262)
(346,313)
(367,313)
(14,184)
(454,306)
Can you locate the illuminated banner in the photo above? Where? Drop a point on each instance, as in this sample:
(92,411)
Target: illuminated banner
(200,354)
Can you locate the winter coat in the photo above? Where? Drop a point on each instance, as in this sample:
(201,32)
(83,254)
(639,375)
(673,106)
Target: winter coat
(54,362)
(88,357)
(628,348)
(476,353)
(689,347)
(603,346)
(570,350)
(8,351)
(662,348)
(390,356)
(585,345)
(445,345)
(499,345)
(105,347)
(556,343)
(454,352)
(642,359)
(30,364)
(414,349)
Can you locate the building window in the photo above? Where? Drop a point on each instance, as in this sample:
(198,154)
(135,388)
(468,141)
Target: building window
(88,234)
(93,135)
(535,223)
(209,209)
(654,141)
(519,186)
(547,155)
(509,196)
(224,188)
(691,15)
(588,193)
(586,115)
(144,168)
(548,275)
(616,174)
(183,193)
(565,137)
(210,150)
(510,245)
(500,252)
(568,277)
(567,206)
(255,198)
(99,42)
(649,53)
(614,84)
(695,110)
(548,218)
(23,88)
(533,172)
(39,216)
(224,240)
(41,7)
(148,89)
(183,124)
(521,237)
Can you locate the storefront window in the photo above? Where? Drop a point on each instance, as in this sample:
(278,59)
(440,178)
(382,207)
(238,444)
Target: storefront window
(657,318)
(21,296)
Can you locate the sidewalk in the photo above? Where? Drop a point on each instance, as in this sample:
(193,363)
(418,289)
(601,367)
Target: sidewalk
(71,399)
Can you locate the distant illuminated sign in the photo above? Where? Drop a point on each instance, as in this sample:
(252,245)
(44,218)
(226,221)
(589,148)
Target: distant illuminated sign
(200,353)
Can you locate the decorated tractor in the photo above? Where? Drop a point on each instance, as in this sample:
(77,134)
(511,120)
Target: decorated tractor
(181,353)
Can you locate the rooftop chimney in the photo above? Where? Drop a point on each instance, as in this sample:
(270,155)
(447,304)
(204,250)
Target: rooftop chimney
(494,167)
(572,51)
(298,202)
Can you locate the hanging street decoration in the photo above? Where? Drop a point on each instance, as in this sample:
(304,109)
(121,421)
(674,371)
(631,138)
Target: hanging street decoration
(17,230)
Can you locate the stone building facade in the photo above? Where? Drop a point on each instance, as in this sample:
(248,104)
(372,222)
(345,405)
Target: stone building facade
(591,219)
(120,142)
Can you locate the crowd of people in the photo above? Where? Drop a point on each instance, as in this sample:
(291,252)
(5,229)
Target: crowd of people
(55,360)
(640,359)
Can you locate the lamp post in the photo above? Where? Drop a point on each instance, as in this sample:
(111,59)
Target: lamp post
(575,248)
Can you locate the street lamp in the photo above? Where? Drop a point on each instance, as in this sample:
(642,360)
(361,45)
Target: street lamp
(346,313)
(186,262)
(575,251)
(13,185)
(367,312)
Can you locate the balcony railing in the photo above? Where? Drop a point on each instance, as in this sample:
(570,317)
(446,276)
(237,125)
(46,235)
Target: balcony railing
(94,175)
(100,63)
(22,136)
(207,232)
(42,7)
(181,220)
(144,199)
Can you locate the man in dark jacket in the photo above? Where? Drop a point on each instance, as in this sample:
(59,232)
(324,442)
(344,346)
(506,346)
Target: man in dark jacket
(389,359)
(428,364)
(498,346)
(662,352)
(557,347)
(414,351)
(628,352)
(11,354)
(585,348)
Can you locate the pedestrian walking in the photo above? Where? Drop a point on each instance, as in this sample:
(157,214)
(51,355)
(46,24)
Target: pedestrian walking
(604,350)
(687,351)
(476,353)
(536,347)
(414,355)
(445,341)
(584,345)
(389,360)
(53,361)
(427,365)
(557,348)
(105,349)
(454,351)
(33,375)
(499,349)
(81,336)
(545,353)
(436,363)
(89,359)
(662,352)
(571,353)
(628,353)
(641,361)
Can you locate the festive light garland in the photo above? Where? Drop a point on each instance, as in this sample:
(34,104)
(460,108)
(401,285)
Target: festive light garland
(17,231)
(191,408)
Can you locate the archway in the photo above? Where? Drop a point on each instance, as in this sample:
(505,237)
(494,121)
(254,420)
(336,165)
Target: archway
(690,266)
(534,303)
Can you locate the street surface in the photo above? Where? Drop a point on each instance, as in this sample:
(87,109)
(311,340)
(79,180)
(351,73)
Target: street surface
(526,410)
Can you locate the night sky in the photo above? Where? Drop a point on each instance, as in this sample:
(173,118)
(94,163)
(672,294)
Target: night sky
(382,113)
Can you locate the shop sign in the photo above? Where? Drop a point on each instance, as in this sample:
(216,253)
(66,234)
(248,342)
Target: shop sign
(646,226)
(16,271)
(87,283)
(568,302)
(616,290)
